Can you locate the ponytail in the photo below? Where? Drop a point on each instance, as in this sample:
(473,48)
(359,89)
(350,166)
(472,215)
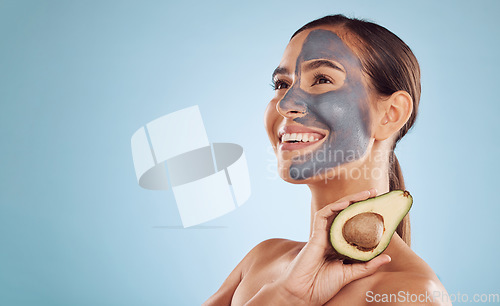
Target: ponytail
(396,181)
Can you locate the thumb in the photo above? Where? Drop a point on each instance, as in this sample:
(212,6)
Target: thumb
(360,270)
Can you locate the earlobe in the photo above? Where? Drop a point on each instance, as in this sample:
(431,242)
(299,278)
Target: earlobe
(397,110)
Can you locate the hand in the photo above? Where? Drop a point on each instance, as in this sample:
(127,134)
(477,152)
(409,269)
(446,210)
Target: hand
(313,277)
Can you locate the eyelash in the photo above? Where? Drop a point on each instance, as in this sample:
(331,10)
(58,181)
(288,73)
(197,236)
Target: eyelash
(317,76)
(276,83)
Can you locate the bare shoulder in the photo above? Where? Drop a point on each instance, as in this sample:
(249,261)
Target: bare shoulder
(394,288)
(277,243)
(271,243)
(269,250)
(409,280)
(260,258)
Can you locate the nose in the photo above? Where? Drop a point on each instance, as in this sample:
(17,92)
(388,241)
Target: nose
(293,104)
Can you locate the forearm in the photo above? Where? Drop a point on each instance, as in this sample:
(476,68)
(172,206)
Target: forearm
(275,295)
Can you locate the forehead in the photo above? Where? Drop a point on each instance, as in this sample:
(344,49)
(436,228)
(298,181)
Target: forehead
(318,43)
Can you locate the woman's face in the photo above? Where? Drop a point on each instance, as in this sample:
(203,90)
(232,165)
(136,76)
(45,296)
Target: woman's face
(319,118)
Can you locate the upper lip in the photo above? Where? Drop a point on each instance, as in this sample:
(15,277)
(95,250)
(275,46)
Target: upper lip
(289,129)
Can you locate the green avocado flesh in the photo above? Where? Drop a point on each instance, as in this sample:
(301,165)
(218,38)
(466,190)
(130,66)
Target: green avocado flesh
(364,229)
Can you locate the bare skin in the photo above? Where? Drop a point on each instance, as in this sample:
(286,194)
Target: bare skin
(270,260)
(285,272)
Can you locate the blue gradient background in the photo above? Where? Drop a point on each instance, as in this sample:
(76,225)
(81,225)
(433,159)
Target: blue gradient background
(77,79)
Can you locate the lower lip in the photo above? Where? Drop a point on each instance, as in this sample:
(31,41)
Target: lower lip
(290,146)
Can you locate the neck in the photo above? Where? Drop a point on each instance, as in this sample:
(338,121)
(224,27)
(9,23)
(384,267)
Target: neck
(330,191)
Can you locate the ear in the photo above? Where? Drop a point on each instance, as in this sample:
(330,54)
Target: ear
(394,112)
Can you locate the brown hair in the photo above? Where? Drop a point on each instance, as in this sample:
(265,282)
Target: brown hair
(390,66)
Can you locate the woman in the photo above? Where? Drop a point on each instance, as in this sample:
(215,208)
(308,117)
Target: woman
(346,92)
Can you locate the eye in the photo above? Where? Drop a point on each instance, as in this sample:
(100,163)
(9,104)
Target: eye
(279,84)
(321,79)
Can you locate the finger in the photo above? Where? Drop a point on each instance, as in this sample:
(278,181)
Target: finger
(363,195)
(331,209)
(322,216)
(360,270)
(360,196)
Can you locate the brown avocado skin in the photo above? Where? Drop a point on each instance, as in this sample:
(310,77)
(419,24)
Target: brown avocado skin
(352,248)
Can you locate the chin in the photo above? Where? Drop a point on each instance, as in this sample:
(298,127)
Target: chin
(323,176)
(287,178)
(284,173)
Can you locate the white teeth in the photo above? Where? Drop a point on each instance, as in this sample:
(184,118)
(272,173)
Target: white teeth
(303,137)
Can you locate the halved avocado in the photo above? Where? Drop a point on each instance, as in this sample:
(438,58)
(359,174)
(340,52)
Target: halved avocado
(364,229)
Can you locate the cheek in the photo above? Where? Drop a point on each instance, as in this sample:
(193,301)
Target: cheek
(343,112)
(271,117)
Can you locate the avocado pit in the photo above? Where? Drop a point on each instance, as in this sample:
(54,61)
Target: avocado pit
(364,230)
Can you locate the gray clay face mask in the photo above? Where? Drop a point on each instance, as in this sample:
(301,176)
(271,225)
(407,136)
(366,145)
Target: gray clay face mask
(344,112)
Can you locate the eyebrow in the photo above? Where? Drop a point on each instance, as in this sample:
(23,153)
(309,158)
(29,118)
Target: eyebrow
(321,63)
(280,70)
(309,66)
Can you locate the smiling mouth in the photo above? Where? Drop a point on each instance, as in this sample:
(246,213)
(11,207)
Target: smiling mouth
(296,141)
(301,137)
